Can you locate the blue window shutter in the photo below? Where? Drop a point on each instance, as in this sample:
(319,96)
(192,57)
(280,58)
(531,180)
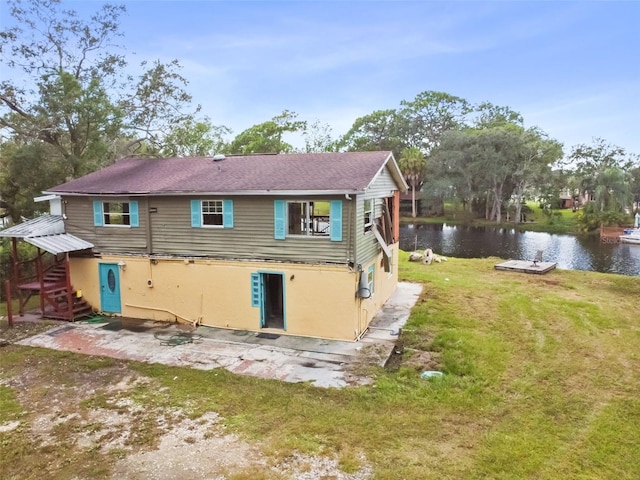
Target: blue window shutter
(255,290)
(335,217)
(279,215)
(98,213)
(134,218)
(196,213)
(227,213)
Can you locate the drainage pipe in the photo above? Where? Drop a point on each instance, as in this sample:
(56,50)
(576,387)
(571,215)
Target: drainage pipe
(194,323)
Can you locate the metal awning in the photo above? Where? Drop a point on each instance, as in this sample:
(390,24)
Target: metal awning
(43,225)
(47,232)
(59,243)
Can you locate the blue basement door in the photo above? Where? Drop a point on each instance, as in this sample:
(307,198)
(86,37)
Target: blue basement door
(110,288)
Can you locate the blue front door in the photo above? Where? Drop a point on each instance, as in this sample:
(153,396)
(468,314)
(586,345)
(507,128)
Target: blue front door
(109,288)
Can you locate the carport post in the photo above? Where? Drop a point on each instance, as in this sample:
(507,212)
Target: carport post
(7,289)
(40,273)
(16,272)
(68,285)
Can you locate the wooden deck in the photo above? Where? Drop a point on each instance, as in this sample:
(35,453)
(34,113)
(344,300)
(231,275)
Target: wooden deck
(35,286)
(526,266)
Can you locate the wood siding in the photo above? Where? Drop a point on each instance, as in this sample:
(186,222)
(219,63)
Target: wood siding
(367,246)
(168,231)
(79,222)
(382,186)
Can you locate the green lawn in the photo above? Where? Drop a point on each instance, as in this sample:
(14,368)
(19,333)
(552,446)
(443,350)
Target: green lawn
(33,303)
(542,375)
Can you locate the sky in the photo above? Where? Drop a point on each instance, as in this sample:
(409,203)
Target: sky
(571,68)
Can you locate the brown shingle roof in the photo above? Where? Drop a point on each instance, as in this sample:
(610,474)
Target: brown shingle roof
(339,172)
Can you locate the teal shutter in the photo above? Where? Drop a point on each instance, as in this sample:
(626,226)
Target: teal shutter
(134,218)
(227,213)
(98,213)
(196,213)
(255,290)
(335,217)
(279,215)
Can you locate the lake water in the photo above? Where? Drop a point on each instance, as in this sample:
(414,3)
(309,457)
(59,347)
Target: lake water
(568,251)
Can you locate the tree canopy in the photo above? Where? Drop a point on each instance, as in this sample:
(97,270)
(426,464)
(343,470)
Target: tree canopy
(70,103)
(268,137)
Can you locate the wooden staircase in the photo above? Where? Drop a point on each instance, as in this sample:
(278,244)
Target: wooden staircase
(58,300)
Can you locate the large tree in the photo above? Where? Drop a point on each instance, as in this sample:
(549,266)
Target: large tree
(380,130)
(606,172)
(195,138)
(429,115)
(535,156)
(492,165)
(267,137)
(66,87)
(65,84)
(488,115)
(587,159)
(25,172)
(318,138)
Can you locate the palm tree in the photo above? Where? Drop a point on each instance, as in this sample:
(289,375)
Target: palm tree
(611,188)
(413,165)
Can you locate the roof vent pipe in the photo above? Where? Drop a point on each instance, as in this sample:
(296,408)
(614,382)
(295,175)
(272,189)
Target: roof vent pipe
(218,158)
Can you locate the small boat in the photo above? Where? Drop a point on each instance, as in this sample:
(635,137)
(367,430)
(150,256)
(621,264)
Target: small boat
(631,236)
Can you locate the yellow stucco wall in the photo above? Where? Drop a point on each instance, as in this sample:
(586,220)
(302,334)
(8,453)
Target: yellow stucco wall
(385,284)
(319,299)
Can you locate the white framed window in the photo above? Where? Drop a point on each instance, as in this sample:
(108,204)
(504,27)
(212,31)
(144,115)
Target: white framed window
(115,214)
(309,218)
(212,213)
(368,214)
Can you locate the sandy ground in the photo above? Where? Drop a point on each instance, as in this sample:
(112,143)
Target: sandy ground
(94,414)
(65,413)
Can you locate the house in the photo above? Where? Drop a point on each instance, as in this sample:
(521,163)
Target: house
(301,244)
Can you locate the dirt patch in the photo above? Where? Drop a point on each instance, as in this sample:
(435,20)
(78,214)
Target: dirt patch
(22,330)
(360,370)
(96,412)
(421,361)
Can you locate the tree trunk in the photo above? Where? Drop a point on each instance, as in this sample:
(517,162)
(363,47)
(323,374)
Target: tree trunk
(486,206)
(519,192)
(496,210)
(413,198)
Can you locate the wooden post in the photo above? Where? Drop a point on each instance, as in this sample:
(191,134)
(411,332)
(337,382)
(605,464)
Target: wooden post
(40,273)
(68,282)
(16,273)
(395,215)
(7,288)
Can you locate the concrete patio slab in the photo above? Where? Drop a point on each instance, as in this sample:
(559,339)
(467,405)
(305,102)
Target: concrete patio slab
(323,363)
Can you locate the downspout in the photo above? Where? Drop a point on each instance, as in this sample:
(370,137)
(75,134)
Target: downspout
(353,205)
(193,323)
(149,232)
(350,250)
(396,216)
